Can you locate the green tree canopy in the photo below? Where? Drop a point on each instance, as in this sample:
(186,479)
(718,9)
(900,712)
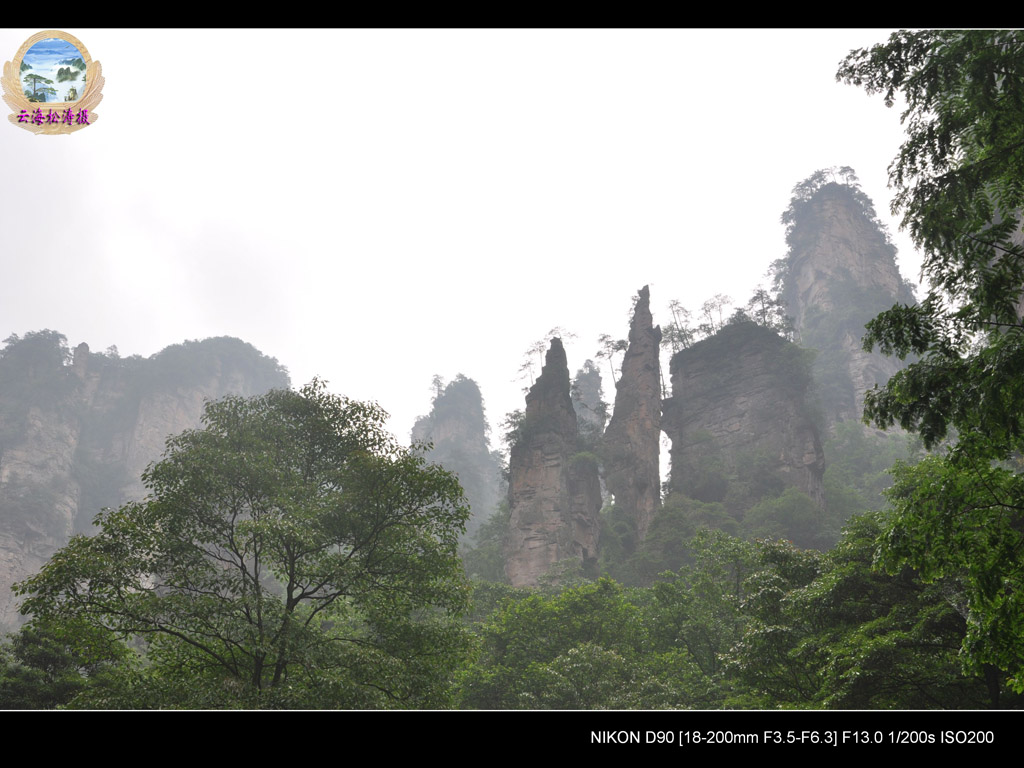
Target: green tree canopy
(576,649)
(291,553)
(959,181)
(45,667)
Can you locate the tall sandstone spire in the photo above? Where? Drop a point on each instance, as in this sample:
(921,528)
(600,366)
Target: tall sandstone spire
(456,429)
(554,493)
(841,271)
(631,442)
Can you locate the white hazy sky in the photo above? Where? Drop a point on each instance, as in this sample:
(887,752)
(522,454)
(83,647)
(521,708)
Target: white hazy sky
(377,206)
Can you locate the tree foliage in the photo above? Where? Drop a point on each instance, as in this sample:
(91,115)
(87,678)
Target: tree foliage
(736,624)
(678,334)
(962,525)
(608,349)
(834,631)
(714,313)
(290,553)
(34,368)
(769,311)
(47,666)
(762,309)
(960,189)
(766,658)
(959,181)
(577,649)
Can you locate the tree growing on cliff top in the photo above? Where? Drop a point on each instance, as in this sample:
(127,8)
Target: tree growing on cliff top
(291,553)
(714,313)
(959,180)
(678,334)
(538,348)
(770,312)
(608,349)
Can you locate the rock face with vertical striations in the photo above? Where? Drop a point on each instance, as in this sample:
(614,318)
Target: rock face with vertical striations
(631,442)
(76,433)
(840,272)
(554,491)
(741,401)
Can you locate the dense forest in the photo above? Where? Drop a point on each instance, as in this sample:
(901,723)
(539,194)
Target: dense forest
(841,528)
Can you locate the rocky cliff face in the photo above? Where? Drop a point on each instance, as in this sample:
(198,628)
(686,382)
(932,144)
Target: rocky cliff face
(75,436)
(457,429)
(840,273)
(740,407)
(554,491)
(631,442)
